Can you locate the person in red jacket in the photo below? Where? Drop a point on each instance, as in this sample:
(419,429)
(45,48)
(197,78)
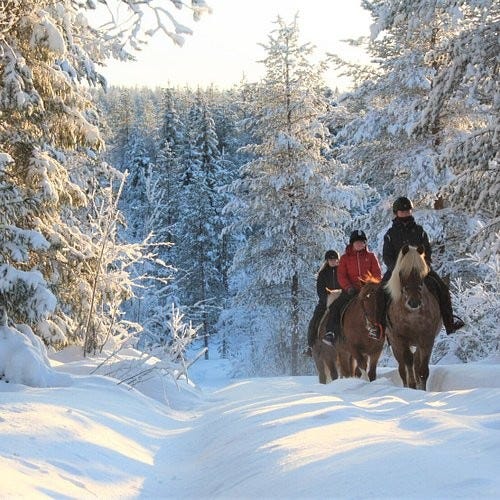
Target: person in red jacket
(356,264)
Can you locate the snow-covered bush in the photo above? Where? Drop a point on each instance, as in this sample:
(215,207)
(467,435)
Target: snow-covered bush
(167,360)
(478,304)
(23,359)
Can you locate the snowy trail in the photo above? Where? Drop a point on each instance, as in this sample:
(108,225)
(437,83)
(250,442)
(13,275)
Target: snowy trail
(271,438)
(293,438)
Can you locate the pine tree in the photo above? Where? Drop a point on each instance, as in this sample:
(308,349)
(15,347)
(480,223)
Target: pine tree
(284,199)
(393,139)
(48,133)
(168,162)
(198,230)
(464,93)
(42,117)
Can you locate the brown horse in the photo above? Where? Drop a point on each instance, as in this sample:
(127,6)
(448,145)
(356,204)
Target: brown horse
(354,352)
(359,353)
(414,319)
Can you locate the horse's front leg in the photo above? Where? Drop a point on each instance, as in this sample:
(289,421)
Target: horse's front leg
(372,372)
(422,358)
(344,364)
(409,358)
(362,364)
(404,357)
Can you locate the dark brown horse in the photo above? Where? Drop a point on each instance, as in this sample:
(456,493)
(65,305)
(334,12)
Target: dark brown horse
(414,319)
(354,353)
(359,353)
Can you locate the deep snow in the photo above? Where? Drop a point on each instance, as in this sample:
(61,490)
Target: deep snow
(286,437)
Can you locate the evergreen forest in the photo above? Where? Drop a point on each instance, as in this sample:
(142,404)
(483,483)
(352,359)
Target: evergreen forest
(180,220)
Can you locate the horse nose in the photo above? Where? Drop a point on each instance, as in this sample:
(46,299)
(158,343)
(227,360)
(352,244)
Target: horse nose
(414,303)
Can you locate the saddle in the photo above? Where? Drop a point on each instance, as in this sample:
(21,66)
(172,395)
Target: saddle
(342,312)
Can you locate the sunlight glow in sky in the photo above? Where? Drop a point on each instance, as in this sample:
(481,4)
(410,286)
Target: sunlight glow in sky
(225,45)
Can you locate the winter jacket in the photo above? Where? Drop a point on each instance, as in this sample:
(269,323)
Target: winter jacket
(355,266)
(403,232)
(327,278)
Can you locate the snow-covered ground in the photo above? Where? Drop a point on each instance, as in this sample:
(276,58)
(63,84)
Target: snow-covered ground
(287,437)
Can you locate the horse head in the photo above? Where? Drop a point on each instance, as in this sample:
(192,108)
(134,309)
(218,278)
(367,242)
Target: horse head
(407,279)
(411,290)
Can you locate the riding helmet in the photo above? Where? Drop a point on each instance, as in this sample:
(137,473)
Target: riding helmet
(357,235)
(402,203)
(331,254)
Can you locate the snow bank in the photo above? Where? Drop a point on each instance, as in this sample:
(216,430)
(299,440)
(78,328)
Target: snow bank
(23,359)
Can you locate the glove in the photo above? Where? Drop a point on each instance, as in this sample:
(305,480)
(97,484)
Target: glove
(351,291)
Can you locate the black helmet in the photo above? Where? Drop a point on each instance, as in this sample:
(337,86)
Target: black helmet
(331,254)
(402,203)
(357,235)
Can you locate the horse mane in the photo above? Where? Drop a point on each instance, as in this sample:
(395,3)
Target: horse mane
(369,278)
(410,259)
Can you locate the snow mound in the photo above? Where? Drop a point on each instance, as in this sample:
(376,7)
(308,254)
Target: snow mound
(23,359)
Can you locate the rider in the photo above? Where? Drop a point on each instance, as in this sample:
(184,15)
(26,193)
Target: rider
(405,231)
(355,265)
(325,283)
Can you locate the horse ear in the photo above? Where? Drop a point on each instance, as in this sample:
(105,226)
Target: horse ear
(421,249)
(404,249)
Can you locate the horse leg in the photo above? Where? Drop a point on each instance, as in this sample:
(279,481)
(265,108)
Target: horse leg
(332,366)
(325,360)
(404,357)
(345,369)
(409,359)
(322,375)
(362,365)
(320,364)
(422,358)
(330,371)
(372,372)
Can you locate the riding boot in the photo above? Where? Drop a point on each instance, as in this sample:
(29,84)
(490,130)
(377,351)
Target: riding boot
(333,324)
(439,289)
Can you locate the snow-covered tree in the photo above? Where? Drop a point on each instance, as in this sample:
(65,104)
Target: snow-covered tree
(199,227)
(47,129)
(465,93)
(287,201)
(42,116)
(423,123)
(406,120)
(168,162)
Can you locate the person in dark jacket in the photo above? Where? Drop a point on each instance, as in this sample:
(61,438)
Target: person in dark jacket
(405,231)
(356,264)
(326,282)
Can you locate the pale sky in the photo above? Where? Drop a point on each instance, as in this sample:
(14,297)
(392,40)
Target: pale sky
(225,44)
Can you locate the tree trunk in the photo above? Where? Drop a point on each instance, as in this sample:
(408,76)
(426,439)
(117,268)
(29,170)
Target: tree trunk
(203,301)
